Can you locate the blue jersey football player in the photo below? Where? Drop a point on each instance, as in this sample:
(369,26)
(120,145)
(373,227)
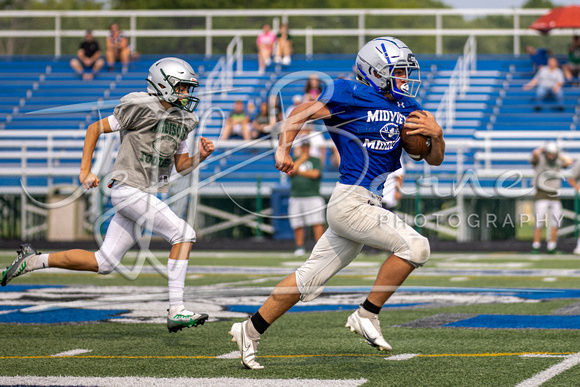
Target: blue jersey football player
(364,118)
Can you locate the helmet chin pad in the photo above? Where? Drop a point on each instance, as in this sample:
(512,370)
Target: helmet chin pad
(399,93)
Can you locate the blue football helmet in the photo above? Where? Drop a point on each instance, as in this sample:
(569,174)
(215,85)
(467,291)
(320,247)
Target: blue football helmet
(377,61)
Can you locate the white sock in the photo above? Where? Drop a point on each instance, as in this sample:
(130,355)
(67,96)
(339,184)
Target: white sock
(551,245)
(365,313)
(176,271)
(251,330)
(38,262)
(578,244)
(536,245)
(174,309)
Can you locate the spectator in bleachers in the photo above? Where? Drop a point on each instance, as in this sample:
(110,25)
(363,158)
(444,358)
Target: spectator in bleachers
(317,143)
(548,162)
(261,125)
(265,46)
(572,67)
(312,89)
(574,181)
(538,56)
(549,80)
(305,207)
(117,48)
(276,108)
(238,123)
(296,100)
(88,58)
(283,46)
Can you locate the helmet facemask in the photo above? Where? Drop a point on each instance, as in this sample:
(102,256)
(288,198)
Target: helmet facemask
(181,101)
(411,79)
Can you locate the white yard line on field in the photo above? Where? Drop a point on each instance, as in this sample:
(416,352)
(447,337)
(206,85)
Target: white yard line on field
(403,356)
(73,352)
(542,377)
(231,355)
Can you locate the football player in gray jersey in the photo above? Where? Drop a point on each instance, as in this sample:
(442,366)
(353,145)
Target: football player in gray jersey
(154,127)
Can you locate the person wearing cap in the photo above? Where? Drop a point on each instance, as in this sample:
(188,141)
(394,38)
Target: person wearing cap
(306,207)
(296,101)
(548,162)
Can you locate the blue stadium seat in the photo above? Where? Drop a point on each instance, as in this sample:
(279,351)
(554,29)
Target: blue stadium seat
(495,109)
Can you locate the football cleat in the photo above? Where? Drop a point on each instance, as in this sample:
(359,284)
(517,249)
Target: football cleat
(184,319)
(299,252)
(246,345)
(21,263)
(370,329)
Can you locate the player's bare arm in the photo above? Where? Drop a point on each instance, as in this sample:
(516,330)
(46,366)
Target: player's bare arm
(428,126)
(536,155)
(530,84)
(311,174)
(290,128)
(88,179)
(573,183)
(185,164)
(566,160)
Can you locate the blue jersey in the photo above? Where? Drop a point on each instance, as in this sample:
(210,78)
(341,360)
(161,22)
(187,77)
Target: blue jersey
(540,58)
(365,127)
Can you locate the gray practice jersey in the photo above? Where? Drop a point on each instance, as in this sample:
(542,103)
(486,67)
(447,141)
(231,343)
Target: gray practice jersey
(575,172)
(547,177)
(150,137)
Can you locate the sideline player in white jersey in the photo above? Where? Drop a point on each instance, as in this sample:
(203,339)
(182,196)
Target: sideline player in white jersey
(393,185)
(154,127)
(364,118)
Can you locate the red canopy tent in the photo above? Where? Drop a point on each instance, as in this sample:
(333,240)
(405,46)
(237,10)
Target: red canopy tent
(561,17)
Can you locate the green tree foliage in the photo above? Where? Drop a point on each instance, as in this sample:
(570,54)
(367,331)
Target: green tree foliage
(322,44)
(270,4)
(15,5)
(538,4)
(69,5)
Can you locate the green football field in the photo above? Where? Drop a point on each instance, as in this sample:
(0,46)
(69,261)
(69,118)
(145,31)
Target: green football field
(463,320)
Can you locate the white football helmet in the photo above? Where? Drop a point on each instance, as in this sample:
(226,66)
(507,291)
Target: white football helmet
(165,75)
(551,147)
(376,63)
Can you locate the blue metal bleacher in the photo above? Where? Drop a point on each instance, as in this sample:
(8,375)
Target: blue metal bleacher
(494,108)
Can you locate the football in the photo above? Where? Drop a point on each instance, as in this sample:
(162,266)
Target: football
(417,146)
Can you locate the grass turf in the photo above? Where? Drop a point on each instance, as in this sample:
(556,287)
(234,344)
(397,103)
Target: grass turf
(313,345)
(309,345)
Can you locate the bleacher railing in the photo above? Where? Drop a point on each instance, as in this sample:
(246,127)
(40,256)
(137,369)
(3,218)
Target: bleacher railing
(458,180)
(458,84)
(361,32)
(221,77)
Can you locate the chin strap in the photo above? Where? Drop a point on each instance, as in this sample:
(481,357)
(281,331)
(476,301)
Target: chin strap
(396,93)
